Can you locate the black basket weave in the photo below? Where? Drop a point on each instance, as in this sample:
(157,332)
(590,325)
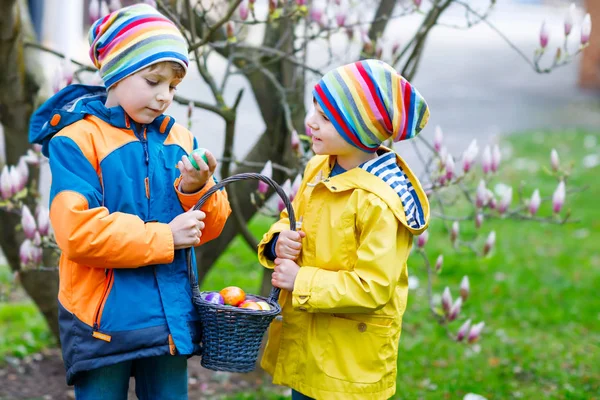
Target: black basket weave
(231,336)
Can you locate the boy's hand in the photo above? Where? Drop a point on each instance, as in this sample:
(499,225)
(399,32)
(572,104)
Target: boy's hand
(187,229)
(289,244)
(285,273)
(193,179)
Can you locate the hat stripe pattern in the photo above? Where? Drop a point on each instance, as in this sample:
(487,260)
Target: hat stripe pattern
(133,38)
(369,102)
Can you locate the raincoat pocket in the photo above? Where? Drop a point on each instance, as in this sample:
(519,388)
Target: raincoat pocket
(357,351)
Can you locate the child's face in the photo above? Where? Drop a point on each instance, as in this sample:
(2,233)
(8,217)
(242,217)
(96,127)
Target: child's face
(325,139)
(146,94)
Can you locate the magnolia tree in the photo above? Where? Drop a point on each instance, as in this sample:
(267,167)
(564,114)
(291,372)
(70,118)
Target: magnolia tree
(267,42)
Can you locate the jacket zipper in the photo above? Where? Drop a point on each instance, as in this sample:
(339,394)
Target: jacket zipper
(100,307)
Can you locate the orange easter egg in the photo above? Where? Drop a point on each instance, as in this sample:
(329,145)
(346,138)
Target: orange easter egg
(233,295)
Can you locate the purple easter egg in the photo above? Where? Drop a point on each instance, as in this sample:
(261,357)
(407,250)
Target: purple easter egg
(214,297)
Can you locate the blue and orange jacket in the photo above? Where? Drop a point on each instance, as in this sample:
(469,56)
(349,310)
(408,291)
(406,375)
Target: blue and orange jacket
(124,291)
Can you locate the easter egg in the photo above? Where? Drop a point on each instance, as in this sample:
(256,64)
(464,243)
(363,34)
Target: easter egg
(264,305)
(202,153)
(214,297)
(251,305)
(233,295)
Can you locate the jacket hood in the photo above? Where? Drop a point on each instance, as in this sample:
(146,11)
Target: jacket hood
(72,104)
(390,178)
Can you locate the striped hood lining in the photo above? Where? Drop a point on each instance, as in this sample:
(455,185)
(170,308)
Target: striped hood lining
(385,168)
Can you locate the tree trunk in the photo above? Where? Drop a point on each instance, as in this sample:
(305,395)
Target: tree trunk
(589,71)
(274,143)
(19,81)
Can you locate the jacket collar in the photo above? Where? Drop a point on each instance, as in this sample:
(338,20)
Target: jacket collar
(72,104)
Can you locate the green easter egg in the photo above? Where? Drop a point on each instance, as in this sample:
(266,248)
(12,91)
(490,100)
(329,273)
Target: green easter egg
(202,153)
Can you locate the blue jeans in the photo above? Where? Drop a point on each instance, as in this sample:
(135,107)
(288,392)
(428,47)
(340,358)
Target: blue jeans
(300,396)
(163,377)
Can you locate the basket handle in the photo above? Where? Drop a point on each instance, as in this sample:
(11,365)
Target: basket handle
(274,295)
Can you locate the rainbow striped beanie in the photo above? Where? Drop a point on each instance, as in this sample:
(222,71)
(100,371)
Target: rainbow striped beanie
(369,102)
(132,38)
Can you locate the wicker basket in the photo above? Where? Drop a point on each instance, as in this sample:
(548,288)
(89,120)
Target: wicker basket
(231,336)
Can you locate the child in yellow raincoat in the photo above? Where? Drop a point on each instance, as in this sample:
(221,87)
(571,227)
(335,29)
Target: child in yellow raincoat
(344,276)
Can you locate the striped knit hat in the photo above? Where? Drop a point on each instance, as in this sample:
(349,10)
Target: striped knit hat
(369,102)
(132,38)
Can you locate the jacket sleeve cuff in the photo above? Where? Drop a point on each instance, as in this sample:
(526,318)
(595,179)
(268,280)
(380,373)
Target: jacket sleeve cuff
(303,296)
(189,200)
(266,242)
(162,242)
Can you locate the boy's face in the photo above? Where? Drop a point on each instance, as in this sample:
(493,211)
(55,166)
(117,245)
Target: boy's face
(325,139)
(146,94)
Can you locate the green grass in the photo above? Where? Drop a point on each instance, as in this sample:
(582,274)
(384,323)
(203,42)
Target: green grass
(22,330)
(537,293)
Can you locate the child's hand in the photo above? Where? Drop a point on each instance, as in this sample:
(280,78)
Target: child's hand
(193,179)
(289,244)
(187,229)
(285,273)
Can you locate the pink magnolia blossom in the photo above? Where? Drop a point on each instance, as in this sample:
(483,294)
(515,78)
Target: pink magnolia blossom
(481,195)
(544,36)
(554,160)
(569,16)
(94,11)
(43,221)
(534,202)
(463,330)
(478,220)
(316,15)
(26,252)
(496,158)
(475,332)
(486,160)
(558,198)
(287,188)
(586,29)
(17,180)
(340,18)
(28,222)
(267,171)
(469,156)
(295,140)
(455,310)
(449,167)
(489,243)
(446,300)
(422,239)
(439,263)
(505,200)
(6,186)
(244,11)
(464,288)
(454,231)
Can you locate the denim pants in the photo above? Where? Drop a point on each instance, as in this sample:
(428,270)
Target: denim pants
(163,377)
(300,396)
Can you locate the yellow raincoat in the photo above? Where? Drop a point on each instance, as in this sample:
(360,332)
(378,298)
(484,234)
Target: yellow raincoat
(339,331)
